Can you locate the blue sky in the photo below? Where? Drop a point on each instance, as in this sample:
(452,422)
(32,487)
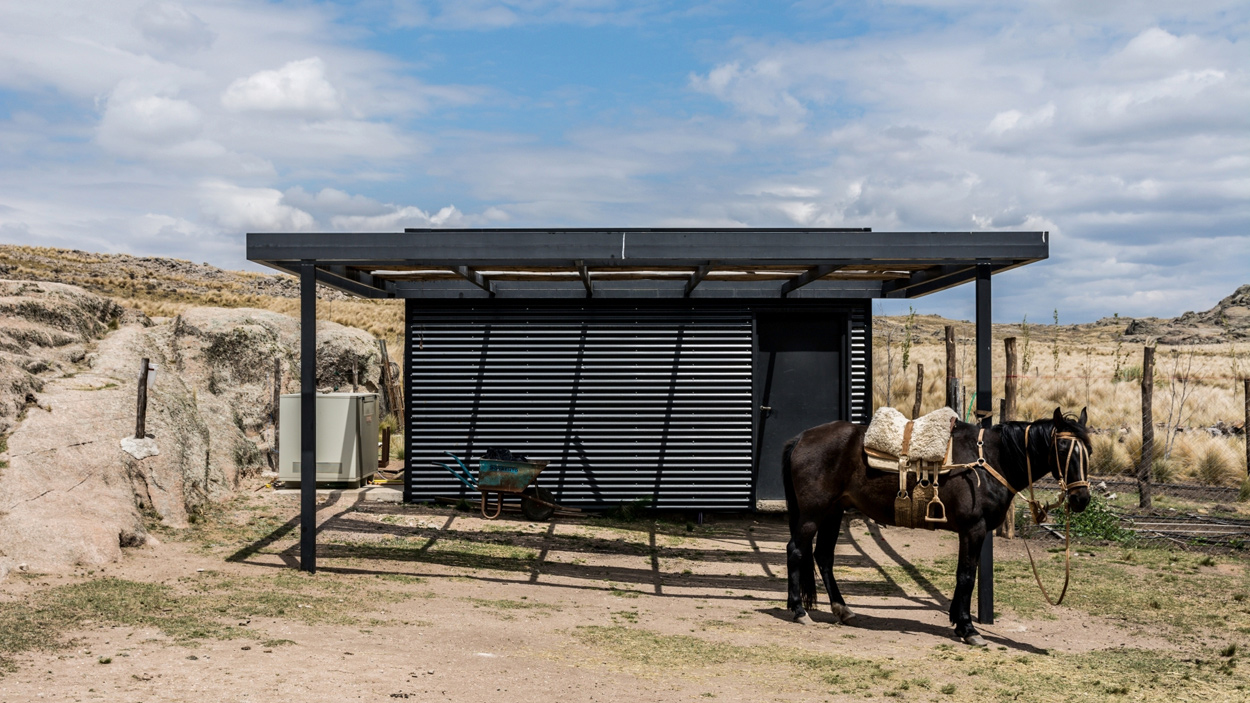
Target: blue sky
(171,128)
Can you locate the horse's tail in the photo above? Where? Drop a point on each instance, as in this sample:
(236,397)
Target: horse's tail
(807,576)
(787,481)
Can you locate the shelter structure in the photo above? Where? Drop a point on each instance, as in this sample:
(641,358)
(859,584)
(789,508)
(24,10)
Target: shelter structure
(667,364)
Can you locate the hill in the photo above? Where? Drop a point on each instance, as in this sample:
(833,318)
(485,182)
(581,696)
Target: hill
(164,287)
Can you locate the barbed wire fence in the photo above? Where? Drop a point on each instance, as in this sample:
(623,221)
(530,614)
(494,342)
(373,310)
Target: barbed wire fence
(1174,430)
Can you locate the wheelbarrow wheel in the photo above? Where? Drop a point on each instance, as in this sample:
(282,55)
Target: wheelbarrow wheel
(534,510)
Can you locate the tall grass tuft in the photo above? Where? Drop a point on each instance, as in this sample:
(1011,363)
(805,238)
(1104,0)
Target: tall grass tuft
(1213,467)
(1109,457)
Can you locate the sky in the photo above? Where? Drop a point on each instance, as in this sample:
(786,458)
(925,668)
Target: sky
(1122,128)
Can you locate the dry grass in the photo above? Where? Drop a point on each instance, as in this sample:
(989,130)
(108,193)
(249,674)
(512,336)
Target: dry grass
(1098,372)
(168,287)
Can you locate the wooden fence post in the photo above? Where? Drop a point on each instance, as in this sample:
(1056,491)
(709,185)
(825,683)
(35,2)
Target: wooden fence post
(1146,463)
(1245,429)
(141,413)
(277,402)
(1011,385)
(915,409)
(1007,530)
(951,400)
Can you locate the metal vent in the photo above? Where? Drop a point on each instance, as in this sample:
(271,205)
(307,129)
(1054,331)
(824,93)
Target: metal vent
(861,366)
(624,404)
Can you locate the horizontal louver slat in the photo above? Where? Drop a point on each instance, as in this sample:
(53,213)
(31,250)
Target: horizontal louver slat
(623,405)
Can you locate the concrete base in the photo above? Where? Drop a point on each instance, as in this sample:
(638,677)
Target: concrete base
(373,494)
(770,506)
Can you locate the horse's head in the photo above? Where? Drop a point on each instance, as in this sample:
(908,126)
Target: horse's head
(1069,457)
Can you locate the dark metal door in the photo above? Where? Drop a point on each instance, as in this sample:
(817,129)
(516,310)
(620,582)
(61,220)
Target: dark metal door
(799,375)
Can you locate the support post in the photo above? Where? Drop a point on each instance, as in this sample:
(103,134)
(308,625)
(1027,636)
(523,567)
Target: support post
(141,412)
(1011,384)
(915,408)
(985,413)
(1245,428)
(1146,462)
(951,400)
(308,416)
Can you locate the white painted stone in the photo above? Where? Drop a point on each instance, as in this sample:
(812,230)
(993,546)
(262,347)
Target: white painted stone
(140,448)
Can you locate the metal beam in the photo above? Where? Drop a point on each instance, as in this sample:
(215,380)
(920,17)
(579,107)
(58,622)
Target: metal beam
(585,276)
(308,416)
(476,279)
(646,247)
(673,288)
(813,274)
(985,415)
(929,280)
(700,272)
(350,282)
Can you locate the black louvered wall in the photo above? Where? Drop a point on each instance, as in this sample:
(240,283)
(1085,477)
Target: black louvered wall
(624,404)
(860,385)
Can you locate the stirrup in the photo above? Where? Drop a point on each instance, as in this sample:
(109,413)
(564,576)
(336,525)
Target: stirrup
(929,512)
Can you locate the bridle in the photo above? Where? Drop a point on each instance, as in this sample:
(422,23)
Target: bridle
(1039,511)
(1075,446)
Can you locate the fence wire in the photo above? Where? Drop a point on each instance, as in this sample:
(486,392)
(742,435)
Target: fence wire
(1198,472)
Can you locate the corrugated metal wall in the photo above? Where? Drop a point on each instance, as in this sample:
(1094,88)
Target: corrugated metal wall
(623,403)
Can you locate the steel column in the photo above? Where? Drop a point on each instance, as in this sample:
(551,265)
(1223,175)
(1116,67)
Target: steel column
(985,416)
(308,416)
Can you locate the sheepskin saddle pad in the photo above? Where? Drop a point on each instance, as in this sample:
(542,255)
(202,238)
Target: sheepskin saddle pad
(930,434)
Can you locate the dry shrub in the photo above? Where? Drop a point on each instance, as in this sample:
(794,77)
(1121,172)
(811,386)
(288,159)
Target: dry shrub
(1214,467)
(1163,470)
(1109,457)
(1067,396)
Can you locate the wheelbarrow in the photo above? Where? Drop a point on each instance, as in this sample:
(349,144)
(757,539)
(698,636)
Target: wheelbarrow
(512,477)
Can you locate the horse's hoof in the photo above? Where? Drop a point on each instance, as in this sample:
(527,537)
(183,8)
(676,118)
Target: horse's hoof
(804,619)
(843,613)
(976,640)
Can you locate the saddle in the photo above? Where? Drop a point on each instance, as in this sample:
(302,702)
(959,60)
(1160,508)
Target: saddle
(920,447)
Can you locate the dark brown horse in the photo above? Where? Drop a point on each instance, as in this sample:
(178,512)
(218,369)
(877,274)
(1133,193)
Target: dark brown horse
(825,472)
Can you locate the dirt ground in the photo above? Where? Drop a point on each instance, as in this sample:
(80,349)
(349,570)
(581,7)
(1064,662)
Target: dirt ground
(429,603)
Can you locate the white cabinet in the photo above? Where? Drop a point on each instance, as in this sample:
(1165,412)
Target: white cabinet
(347,437)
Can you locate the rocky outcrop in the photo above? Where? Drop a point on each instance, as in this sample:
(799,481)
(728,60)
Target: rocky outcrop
(44,330)
(71,495)
(1228,321)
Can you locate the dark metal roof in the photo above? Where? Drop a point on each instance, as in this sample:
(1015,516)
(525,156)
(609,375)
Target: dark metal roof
(646,263)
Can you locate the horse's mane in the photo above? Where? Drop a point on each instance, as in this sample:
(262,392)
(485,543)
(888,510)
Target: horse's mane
(1040,443)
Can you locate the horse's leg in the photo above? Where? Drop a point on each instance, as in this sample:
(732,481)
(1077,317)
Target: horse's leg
(965,578)
(800,568)
(826,540)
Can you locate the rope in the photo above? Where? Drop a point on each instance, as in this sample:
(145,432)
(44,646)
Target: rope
(1039,511)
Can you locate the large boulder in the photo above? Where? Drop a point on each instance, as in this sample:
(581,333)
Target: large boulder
(71,495)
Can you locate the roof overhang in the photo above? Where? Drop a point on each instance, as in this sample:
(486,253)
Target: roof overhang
(646,263)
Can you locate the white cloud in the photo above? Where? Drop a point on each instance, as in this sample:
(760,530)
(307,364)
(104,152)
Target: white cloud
(153,119)
(250,209)
(172,27)
(299,87)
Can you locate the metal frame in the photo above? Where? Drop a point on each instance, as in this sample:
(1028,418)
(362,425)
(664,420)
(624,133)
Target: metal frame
(647,263)
(530,264)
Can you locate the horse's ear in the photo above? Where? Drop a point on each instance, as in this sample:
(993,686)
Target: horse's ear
(1058,418)
(1084,417)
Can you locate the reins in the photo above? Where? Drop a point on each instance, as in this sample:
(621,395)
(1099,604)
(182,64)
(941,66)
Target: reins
(1040,511)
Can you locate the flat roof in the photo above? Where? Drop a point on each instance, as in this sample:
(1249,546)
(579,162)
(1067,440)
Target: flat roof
(646,262)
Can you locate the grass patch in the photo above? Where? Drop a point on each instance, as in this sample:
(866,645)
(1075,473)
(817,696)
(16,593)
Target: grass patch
(206,606)
(956,672)
(507,604)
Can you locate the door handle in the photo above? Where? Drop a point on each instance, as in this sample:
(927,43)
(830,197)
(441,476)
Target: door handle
(766,410)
